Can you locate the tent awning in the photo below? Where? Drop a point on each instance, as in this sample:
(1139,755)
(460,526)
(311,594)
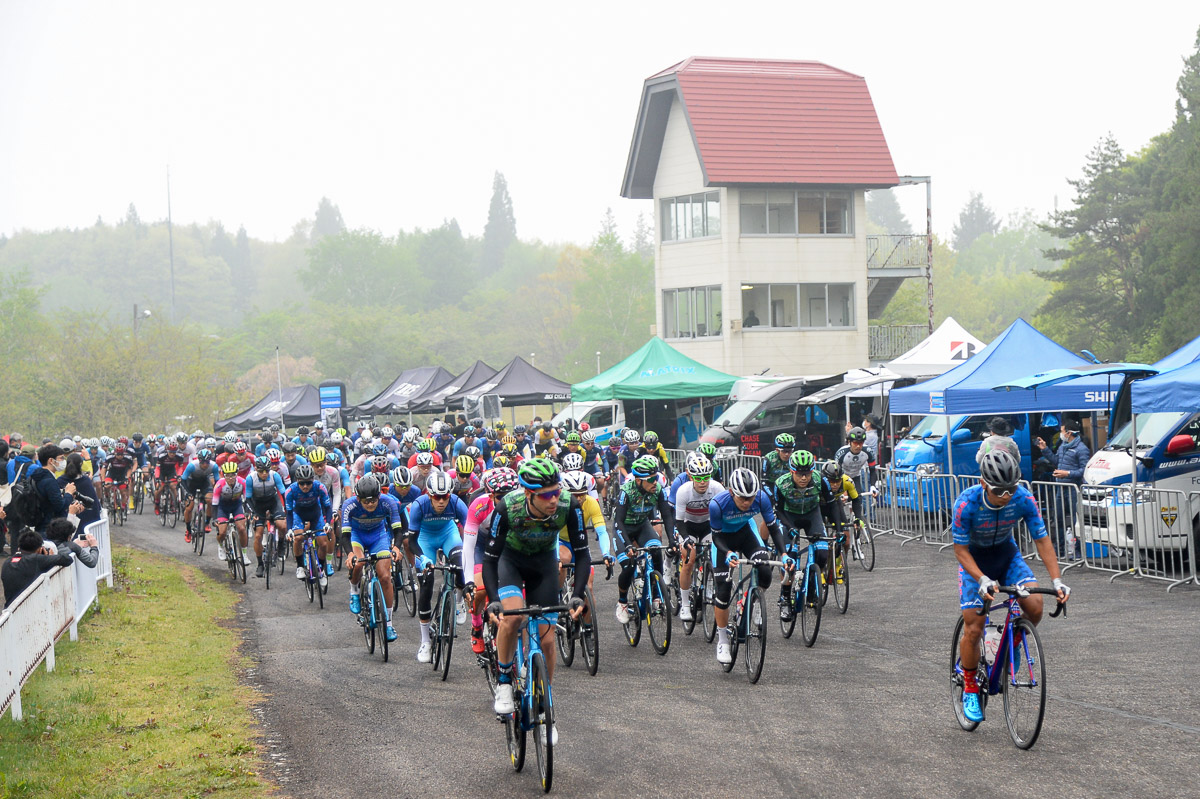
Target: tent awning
(298,405)
(656,371)
(517,383)
(408,386)
(1056,376)
(1175,391)
(946,348)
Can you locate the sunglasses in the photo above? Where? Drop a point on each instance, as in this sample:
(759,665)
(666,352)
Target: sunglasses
(304,483)
(549,495)
(369,500)
(999,492)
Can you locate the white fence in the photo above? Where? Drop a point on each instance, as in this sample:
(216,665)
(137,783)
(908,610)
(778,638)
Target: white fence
(54,604)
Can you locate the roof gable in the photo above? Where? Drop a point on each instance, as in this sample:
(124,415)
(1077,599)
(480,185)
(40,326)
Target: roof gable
(758,122)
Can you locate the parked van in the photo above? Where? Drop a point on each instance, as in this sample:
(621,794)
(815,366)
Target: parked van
(750,424)
(677,422)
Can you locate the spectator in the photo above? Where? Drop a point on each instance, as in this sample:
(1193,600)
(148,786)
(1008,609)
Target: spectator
(751,319)
(1000,438)
(60,532)
(1070,460)
(3,462)
(83,487)
(19,454)
(54,501)
(27,565)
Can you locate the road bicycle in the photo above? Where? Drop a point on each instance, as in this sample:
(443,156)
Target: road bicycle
(587,633)
(271,548)
(532,698)
(404,584)
(807,595)
(1010,663)
(747,619)
(648,600)
(199,520)
(837,576)
(313,570)
(442,627)
(170,503)
(233,551)
(372,605)
(138,491)
(862,541)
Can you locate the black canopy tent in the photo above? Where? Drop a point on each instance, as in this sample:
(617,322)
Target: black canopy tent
(478,372)
(405,391)
(300,405)
(518,383)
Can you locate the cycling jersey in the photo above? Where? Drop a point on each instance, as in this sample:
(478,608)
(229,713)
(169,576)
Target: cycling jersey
(852,465)
(227,498)
(332,481)
(463,487)
(593,463)
(263,492)
(635,506)
(479,517)
(980,526)
(692,505)
(593,519)
(724,516)
(530,558)
(436,530)
(313,507)
(371,530)
(844,486)
(196,478)
(142,453)
(169,464)
(774,467)
(118,465)
(801,501)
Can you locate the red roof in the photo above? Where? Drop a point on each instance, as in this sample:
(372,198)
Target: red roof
(774,122)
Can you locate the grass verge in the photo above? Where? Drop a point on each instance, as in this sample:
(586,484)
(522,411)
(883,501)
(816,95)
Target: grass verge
(147,703)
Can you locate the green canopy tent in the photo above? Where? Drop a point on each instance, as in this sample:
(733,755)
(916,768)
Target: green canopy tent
(657,371)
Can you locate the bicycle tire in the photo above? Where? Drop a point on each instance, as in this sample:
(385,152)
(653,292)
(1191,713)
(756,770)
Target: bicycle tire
(514,733)
(447,631)
(366,618)
(956,678)
(139,497)
(864,546)
(756,635)
(318,570)
(658,614)
(491,668)
(1024,684)
(789,626)
(810,605)
(268,556)
(708,586)
(564,631)
(633,627)
(734,622)
(841,590)
(410,586)
(310,584)
(160,507)
(542,706)
(397,585)
(379,606)
(696,600)
(589,637)
(173,508)
(239,567)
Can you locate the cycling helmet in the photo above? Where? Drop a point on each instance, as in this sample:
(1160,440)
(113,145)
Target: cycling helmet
(334,457)
(274,428)
(500,426)
(239,447)
(439,484)
(120,447)
(856,434)
(335,439)
(707,449)
(631,437)
(261,462)
(801,461)
(547,427)
(577,482)
(490,434)
(150,438)
(474,452)
(379,448)
(210,443)
(408,437)
(832,470)
(365,438)
(587,437)
(181,437)
(367,487)
(477,421)
(121,440)
(469,430)
(744,483)
(785,441)
(574,438)
(698,466)
(509,449)
(204,455)
(275,455)
(584,427)
(520,430)
(645,467)
(107,442)
(172,446)
(572,461)
(230,437)
(999,469)
(138,436)
(379,463)
(464,465)
(508,439)
(229,467)
(302,430)
(538,473)
(501,461)
(500,480)
(319,426)
(387,432)
(401,477)
(304,472)
(425,445)
(424,458)
(317,456)
(198,434)
(289,446)
(650,439)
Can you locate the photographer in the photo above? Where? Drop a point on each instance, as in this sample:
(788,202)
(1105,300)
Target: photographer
(61,533)
(27,565)
(85,489)
(55,502)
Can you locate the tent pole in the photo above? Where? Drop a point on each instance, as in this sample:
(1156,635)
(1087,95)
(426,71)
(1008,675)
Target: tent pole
(949,445)
(279,377)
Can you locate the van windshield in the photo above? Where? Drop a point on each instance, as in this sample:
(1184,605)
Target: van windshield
(1151,428)
(935,426)
(737,413)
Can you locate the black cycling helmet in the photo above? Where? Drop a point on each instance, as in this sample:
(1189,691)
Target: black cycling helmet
(999,469)
(832,470)
(367,487)
(519,430)
(290,446)
(856,434)
(138,436)
(547,426)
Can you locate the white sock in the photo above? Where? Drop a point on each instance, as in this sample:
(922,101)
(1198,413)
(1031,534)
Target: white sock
(723,635)
(353,589)
(424,632)
(685,598)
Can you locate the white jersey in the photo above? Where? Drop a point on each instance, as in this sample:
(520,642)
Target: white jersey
(692,505)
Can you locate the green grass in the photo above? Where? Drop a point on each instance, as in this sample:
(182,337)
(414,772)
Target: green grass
(147,703)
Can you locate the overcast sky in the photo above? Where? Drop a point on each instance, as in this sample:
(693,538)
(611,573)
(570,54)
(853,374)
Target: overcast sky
(401,114)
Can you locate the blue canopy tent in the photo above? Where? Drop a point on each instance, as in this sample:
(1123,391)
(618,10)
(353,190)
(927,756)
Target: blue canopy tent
(1181,357)
(1173,391)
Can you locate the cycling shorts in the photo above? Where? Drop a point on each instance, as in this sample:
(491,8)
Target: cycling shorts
(372,542)
(429,542)
(536,576)
(120,479)
(567,555)
(272,510)
(312,517)
(1015,572)
(639,535)
(230,511)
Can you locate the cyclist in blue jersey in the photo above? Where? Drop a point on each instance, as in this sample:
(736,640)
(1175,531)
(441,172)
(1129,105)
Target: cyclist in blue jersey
(437,518)
(633,522)
(307,503)
(371,520)
(986,519)
(403,490)
(729,516)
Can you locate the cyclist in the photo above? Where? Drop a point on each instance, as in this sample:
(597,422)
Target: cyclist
(545,440)
(640,496)
(292,460)
(775,464)
(985,521)
(627,454)
(572,444)
(332,480)
(264,489)
(437,519)
(520,564)
(307,504)
(372,520)
(118,468)
(402,488)
(854,458)
(691,521)
(729,516)
(227,498)
(468,440)
(496,483)
(652,446)
(466,484)
(841,485)
(802,502)
(170,464)
(141,450)
(199,476)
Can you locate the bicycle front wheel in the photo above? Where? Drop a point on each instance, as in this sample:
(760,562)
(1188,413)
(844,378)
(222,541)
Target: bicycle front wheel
(864,546)
(172,512)
(633,627)
(756,634)
(542,720)
(1024,684)
(708,587)
(366,618)
(379,610)
(790,595)
(446,632)
(841,583)
(268,556)
(589,635)
(658,614)
(409,579)
(514,734)
(956,678)
(808,603)
(564,630)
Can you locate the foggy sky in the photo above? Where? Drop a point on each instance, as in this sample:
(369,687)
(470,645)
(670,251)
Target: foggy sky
(401,114)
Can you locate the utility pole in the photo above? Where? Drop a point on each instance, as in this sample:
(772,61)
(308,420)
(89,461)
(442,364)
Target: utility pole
(171,244)
(597,363)
(913,180)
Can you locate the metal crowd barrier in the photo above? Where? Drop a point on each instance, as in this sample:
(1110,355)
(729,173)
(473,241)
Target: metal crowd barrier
(1060,507)
(1163,536)
(677,460)
(894,510)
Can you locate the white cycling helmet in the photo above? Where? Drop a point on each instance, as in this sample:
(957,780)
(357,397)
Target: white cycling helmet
(572,461)
(401,477)
(387,432)
(230,438)
(744,483)
(335,438)
(698,465)
(439,484)
(577,482)
(631,437)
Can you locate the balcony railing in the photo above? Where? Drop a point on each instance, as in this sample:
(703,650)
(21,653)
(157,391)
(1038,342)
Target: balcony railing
(896,251)
(885,342)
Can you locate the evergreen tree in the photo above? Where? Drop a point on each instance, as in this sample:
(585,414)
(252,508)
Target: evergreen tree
(328,221)
(884,212)
(974,220)
(643,237)
(501,228)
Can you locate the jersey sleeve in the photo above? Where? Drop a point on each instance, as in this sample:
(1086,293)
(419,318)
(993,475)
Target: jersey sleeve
(963,518)
(1033,517)
(593,518)
(716,520)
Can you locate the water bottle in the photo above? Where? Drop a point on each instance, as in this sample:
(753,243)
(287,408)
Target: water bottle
(638,584)
(991,644)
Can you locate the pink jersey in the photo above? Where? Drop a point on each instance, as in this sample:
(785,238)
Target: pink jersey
(478,515)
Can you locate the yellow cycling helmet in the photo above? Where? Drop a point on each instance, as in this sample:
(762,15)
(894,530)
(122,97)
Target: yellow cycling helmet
(464,464)
(229,467)
(317,456)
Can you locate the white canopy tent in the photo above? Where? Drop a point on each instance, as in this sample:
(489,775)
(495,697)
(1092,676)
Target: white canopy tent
(946,347)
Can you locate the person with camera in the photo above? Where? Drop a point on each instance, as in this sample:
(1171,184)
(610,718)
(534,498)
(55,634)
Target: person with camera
(61,533)
(54,501)
(27,564)
(85,489)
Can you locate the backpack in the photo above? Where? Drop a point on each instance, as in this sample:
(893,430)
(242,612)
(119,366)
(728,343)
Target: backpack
(24,507)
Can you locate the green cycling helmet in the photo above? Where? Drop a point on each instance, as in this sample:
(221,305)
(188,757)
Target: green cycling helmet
(785,441)
(574,438)
(801,461)
(538,473)
(645,467)
(707,448)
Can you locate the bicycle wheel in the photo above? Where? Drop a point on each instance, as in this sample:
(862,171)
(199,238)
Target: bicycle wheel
(110,505)
(671,592)
(696,600)
(756,634)
(735,622)
(633,627)
(192,525)
(268,555)
(514,733)
(708,587)
(790,594)
(446,631)
(956,678)
(565,630)
(864,546)
(807,599)
(542,707)
(239,567)
(366,618)
(172,507)
(379,608)
(1024,684)
(338,554)
(658,614)
(160,506)
(491,671)
(410,586)
(397,585)
(139,497)
(841,583)
(589,635)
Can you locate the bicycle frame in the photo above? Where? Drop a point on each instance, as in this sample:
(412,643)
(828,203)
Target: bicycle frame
(529,643)
(367,609)
(1006,650)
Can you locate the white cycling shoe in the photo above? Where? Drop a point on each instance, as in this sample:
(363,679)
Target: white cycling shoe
(504,699)
(425,653)
(300,573)
(723,655)
(685,612)
(623,613)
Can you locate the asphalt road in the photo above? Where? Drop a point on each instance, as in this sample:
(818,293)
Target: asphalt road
(865,712)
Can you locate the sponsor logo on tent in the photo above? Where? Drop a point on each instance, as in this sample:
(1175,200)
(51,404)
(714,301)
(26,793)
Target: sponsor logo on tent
(556,396)
(275,406)
(937,402)
(961,350)
(404,390)
(668,370)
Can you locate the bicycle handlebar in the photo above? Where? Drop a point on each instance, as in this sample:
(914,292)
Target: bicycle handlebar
(1019,591)
(535,610)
